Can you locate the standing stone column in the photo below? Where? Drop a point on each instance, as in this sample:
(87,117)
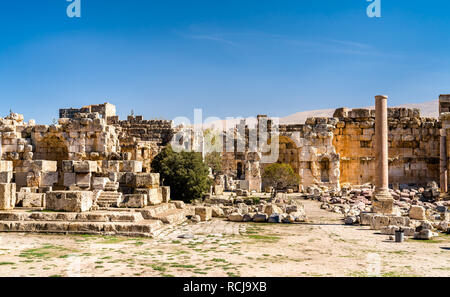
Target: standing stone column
(382,201)
(443,162)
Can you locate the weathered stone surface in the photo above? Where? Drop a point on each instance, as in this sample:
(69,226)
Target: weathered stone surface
(154,196)
(236,217)
(70,179)
(83,180)
(99,183)
(366,218)
(70,201)
(350,220)
(6,166)
(31,199)
(247,217)
(217,212)
(300,217)
(425,234)
(165,192)
(45,165)
(289,219)
(417,212)
(7,196)
(242,208)
(48,179)
(132,166)
(218,189)
(145,180)
(390,230)
(67,166)
(275,218)
(178,204)
(134,201)
(271,209)
(379,221)
(260,217)
(205,213)
(6,177)
(85,166)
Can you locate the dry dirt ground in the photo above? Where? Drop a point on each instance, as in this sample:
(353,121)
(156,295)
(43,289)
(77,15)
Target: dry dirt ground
(322,247)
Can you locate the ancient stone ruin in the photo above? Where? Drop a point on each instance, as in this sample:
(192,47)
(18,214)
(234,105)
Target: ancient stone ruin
(91,172)
(377,167)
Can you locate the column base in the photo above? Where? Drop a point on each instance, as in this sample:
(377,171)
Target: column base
(383,203)
(444,197)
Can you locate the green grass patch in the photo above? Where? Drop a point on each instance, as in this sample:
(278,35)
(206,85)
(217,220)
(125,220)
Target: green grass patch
(112,240)
(158,268)
(264,238)
(182,266)
(219,260)
(44,252)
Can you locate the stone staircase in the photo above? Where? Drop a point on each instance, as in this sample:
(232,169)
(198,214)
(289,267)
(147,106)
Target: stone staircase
(95,223)
(138,222)
(111,186)
(109,199)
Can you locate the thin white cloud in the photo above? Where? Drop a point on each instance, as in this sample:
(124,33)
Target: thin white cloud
(322,45)
(210,38)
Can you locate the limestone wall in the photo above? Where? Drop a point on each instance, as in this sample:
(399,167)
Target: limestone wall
(413,146)
(309,150)
(86,136)
(105,110)
(143,139)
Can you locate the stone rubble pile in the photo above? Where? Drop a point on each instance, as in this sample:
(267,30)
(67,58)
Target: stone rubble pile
(417,210)
(278,210)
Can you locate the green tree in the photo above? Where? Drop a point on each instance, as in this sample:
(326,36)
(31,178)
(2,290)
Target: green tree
(281,176)
(184,172)
(214,161)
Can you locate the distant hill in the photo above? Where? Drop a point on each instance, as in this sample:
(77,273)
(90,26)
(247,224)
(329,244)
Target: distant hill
(428,109)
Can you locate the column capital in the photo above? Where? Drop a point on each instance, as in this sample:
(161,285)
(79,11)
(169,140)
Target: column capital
(381,97)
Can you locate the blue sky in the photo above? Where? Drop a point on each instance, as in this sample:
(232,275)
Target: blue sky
(230,58)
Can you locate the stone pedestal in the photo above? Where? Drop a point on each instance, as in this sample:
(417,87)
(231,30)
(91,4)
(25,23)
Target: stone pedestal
(382,201)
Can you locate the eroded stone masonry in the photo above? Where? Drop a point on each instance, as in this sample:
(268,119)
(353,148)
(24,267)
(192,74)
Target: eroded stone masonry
(329,152)
(91,171)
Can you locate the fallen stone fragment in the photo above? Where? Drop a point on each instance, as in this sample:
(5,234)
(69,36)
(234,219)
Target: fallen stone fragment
(236,217)
(260,217)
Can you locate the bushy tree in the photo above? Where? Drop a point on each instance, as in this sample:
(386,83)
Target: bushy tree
(184,172)
(281,176)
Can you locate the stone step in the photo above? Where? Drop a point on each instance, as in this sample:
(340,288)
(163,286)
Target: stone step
(111,186)
(143,229)
(152,211)
(97,216)
(111,193)
(172,216)
(109,199)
